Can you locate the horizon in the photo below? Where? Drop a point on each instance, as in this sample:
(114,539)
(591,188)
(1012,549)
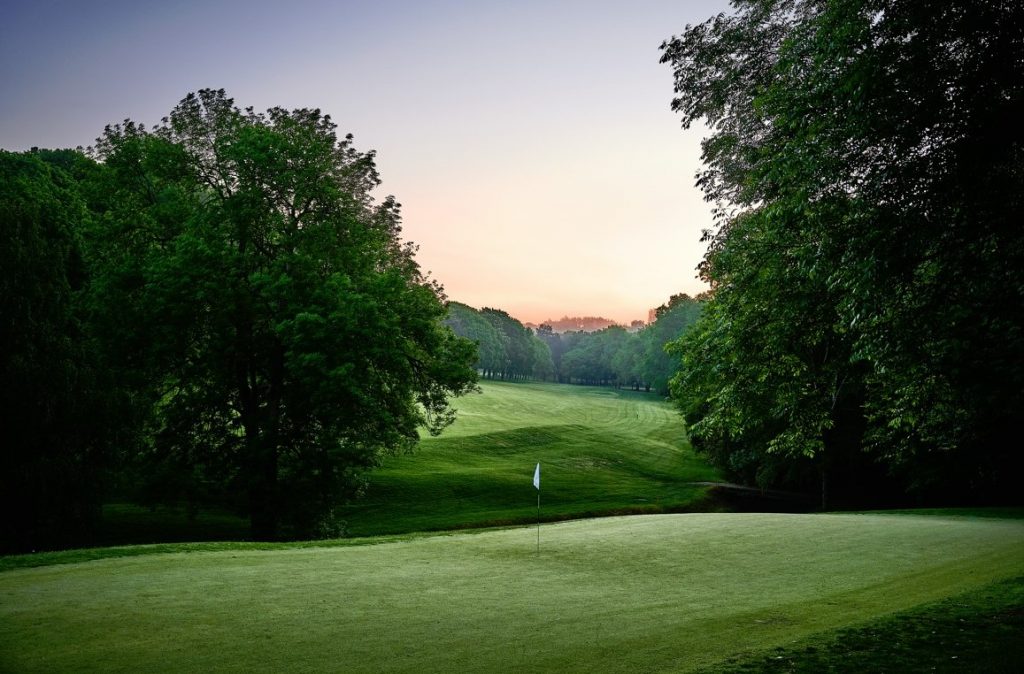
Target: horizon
(539,165)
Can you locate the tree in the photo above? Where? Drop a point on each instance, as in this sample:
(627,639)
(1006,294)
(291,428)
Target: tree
(547,334)
(465,321)
(867,268)
(591,357)
(626,362)
(672,319)
(287,335)
(543,367)
(517,342)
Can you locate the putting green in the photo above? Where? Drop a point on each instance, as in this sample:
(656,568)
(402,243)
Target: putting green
(651,593)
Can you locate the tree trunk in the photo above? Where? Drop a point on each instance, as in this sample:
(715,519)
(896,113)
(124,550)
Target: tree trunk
(824,488)
(261,441)
(270,508)
(263,513)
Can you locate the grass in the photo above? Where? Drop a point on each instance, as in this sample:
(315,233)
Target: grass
(979,631)
(903,591)
(654,593)
(602,451)
(128,524)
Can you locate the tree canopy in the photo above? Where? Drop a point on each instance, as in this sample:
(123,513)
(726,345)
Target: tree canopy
(273,334)
(868,264)
(288,327)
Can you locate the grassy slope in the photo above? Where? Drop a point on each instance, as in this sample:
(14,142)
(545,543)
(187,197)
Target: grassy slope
(660,593)
(602,451)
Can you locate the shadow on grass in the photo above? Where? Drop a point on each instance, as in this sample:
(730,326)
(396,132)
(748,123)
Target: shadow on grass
(981,631)
(130,524)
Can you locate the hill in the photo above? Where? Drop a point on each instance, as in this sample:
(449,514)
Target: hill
(602,451)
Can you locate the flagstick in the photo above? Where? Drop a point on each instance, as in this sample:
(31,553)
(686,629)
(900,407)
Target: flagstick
(536,483)
(538,522)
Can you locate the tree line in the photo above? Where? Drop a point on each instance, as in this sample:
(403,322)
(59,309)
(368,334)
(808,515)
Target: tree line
(212,310)
(865,333)
(613,356)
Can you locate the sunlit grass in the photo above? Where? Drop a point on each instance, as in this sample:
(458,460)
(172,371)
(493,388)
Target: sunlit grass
(601,451)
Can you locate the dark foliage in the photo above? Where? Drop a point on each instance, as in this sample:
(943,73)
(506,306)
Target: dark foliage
(51,415)
(263,333)
(868,267)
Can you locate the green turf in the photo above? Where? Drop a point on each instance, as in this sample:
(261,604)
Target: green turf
(602,451)
(978,631)
(653,593)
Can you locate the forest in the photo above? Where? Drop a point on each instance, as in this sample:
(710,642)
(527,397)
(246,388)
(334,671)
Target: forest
(612,356)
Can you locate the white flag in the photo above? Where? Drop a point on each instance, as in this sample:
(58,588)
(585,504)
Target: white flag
(536,477)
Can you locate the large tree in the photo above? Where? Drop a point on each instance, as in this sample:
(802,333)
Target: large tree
(287,335)
(868,264)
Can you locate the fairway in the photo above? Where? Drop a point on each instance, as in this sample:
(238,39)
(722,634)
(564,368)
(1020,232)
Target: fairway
(650,593)
(602,451)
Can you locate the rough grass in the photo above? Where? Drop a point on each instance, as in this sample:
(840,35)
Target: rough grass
(654,593)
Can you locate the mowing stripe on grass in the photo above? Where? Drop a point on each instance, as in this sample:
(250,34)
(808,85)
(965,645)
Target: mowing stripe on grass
(604,451)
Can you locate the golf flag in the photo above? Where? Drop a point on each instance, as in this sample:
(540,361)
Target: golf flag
(536,483)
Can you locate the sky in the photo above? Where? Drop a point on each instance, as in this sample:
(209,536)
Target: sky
(531,144)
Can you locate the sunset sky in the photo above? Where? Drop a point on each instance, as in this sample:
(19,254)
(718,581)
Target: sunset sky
(531,144)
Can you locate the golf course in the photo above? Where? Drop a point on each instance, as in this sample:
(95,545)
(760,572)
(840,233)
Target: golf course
(493,337)
(601,451)
(652,592)
(626,594)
